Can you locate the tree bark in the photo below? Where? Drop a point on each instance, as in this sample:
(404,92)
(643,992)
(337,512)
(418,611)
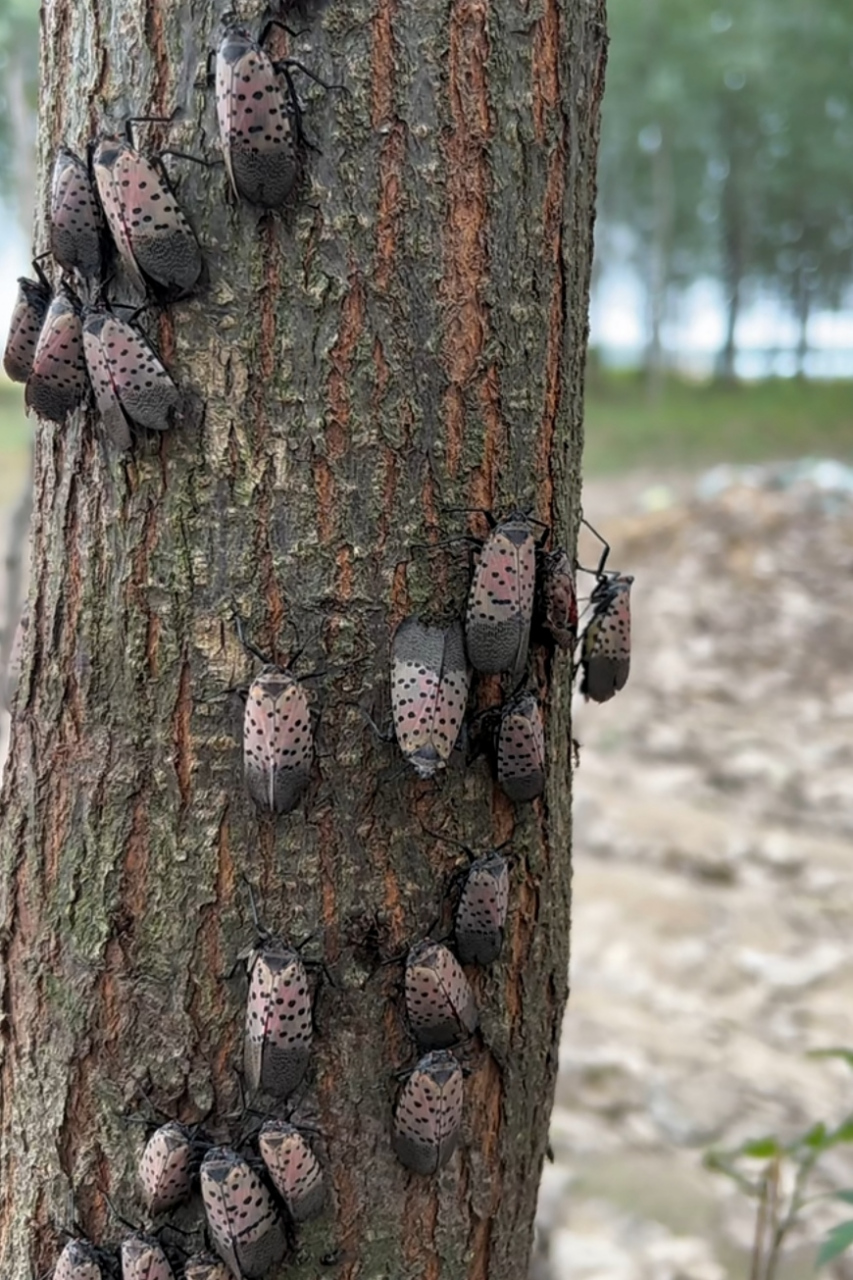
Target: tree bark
(409,338)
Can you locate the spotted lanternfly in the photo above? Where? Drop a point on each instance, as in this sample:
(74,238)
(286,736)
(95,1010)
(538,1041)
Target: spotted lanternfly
(429,689)
(76,221)
(27,320)
(293,1167)
(57,383)
(258,121)
(558,601)
(606,645)
(500,603)
(279,1020)
(79,1260)
(167,1167)
(278,740)
(156,243)
(247,1232)
(428,1115)
(439,999)
(482,908)
(143,1258)
(203,1266)
(521,748)
(131,386)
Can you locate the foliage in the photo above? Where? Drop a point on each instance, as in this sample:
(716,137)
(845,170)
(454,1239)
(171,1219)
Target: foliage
(727,144)
(777,1175)
(19,26)
(693,425)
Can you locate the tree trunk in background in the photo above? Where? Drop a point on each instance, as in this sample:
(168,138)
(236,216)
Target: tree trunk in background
(659,264)
(411,337)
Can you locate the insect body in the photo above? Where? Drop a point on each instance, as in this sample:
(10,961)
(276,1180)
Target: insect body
(156,243)
(27,320)
(428,1115)
(439,1000)
(293,1167)
(79,1260)
(279,1020)
(500,602)
(76,221)
(167,1166)
(258,121)
(247,1232)
(203,1266)
(606,644)
(143,1258)
(429,690)
(521,748)
(558,602)
(132,388)
(482,908)
(57,383)
(278,740)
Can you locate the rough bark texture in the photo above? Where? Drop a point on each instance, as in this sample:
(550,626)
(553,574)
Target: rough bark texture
(409,338)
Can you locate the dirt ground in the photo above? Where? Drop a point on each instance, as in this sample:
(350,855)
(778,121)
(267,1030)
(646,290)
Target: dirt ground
(713,877)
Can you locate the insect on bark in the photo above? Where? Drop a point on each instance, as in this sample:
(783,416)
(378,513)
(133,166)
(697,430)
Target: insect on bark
(606,643)
(156,243)
(246,1230)
(430,678)
(143,1258)
(76,220)
(439,1001)
(79,1260)
(27,320)
(279,1019)
(521,748)
(482,909)
(259,120)
(203,1266)
(132,388)
(557,598)
(293,1167)
(278,737)
(168,1166)
(500,602)
(58,382)
(428,1115)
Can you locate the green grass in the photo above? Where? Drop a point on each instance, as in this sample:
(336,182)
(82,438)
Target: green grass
(694,425)
(15,436)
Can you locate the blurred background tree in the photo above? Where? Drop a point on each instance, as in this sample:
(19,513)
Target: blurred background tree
(19,29)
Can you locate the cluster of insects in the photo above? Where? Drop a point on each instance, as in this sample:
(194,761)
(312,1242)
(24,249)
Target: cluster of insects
(117,207)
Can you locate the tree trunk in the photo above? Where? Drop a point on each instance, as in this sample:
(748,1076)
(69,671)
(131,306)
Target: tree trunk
(659,263)
(408,339)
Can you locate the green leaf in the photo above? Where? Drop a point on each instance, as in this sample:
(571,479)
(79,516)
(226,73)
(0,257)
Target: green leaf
(846,1055)
(844,1132)
(762,1149)
(837,1240)
(846,1196)
(815,1138)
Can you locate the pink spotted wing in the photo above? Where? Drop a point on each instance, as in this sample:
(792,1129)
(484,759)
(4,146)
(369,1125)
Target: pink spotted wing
(500,602)
(27,320)
(279,1020)
(76,221)
(246,1230)
(155,241)
(166,1167)
(278,740)
(78,1261)
(439,1000)
(606,648)
(482,908)
(429,690)
(132,388)
(558,602)
(58,381)
(293,1167)
(521,749)
(428,1115)
(143,1258)
(255,127)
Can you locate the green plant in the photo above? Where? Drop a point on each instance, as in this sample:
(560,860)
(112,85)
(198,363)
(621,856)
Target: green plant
(787,1164)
